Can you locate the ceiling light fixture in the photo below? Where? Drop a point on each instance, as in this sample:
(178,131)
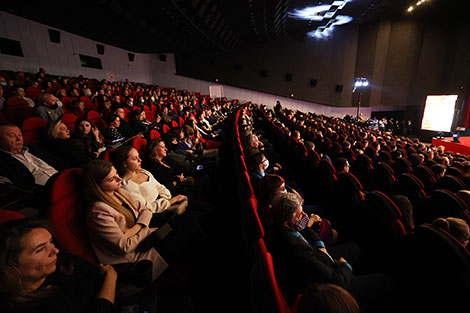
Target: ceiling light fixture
(326,16)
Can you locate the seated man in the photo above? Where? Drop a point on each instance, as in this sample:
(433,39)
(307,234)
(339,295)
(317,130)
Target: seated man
(26,167)
(48,107)
(300,257)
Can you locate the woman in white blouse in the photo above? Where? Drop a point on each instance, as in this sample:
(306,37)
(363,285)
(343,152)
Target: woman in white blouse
(142,185)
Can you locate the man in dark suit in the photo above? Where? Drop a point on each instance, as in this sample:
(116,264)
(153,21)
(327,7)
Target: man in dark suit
(300,257)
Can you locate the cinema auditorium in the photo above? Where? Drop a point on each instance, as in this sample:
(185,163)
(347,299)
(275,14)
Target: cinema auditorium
(256,156)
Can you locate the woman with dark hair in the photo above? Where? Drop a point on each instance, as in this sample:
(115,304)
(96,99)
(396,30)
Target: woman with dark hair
(34,277)
(112,134)
(141,184)
(88,136)
(271,185)
(60,144)
(140,124)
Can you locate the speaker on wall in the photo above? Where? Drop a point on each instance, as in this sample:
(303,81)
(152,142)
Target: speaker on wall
(339,88)
(288,77)
(100,48)
(313,82)
(131,57)
(264,73)
(54,35)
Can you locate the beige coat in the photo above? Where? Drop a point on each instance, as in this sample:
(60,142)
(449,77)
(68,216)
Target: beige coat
(107,227)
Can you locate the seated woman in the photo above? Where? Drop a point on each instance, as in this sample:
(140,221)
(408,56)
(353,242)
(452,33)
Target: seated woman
(140,124)
(112,134)
(88,136)
(60,144)
(145,188)
(141,184)
(188,143)
(163,172)
(34,277)
(122,228)
(271,185)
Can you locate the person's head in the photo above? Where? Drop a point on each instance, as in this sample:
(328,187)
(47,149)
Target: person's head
(126,159)
(406,208)
(57,130)
(441,149)
(309,145)
(439,170)
(18,91)
(11,137)
(287,210)
(47,99)
(119,112)
(78,105)
(27,257)
(156,149)
(341,165)
(137,115)
(258,162)
(269,186)
(83,125)
(188,131)
(327,298)
(61,93)
(100,181)
(114,121)
(165,110)
(252,141)
(86,92)
(457,227)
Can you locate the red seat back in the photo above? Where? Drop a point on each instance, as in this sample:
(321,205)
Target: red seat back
(18,111)
(32,130)
(97,120)
(154,134)
(266,294)
(139,143)
(69,120)
(166,128)
(67,214)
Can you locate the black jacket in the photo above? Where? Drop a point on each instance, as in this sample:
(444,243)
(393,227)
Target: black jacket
(298,264)
(19,174)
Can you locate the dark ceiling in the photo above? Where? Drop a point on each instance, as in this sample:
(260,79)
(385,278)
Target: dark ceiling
(199,25)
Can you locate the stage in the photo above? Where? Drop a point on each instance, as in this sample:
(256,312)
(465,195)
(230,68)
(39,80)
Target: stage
(463,147)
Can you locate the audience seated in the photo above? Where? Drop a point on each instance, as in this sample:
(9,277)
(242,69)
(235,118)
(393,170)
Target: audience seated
(123,229)
(59,143)
(141,184)
(300,257)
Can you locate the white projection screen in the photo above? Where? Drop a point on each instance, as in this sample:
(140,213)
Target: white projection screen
(439,113)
